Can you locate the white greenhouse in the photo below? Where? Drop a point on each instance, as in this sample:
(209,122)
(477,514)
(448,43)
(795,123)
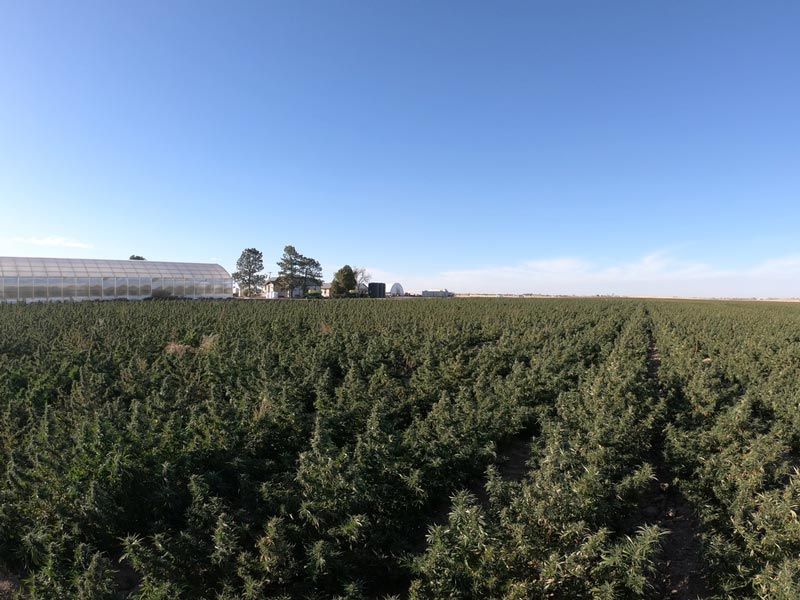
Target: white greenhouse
(75,279)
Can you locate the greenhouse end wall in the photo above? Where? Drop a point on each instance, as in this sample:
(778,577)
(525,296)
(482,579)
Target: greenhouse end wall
(42,280)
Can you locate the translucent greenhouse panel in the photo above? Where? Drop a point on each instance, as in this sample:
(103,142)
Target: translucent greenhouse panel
(69,287)
(180,288)
(122,287)
(108,287)
(54,288)
(145,288)
(133,287)
(11,288)
(40,288)
(156,286)
(25,288)
(82,287)
(96,287)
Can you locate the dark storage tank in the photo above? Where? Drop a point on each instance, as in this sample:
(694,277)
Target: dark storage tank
(377,290)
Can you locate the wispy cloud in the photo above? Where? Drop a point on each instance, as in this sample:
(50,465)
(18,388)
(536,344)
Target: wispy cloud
(51,242)
(654,274)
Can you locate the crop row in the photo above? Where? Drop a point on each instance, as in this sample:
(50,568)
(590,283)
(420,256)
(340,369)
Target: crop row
(734,438)
(564,530)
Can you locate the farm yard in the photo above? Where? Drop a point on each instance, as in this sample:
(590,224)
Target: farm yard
(464,448)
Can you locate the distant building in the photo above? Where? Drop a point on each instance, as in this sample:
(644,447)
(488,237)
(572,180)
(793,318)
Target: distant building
(325,290)
(397,290)
(437,294)
(377,290)
(25,279)
(272,290)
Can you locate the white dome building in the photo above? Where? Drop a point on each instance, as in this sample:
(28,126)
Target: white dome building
(397,290)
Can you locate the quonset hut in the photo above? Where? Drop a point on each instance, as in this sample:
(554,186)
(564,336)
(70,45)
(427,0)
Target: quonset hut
(76,279)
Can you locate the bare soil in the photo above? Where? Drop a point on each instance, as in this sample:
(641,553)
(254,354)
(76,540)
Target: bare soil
(511,463)
(126,580)
(514,457)
(8,585)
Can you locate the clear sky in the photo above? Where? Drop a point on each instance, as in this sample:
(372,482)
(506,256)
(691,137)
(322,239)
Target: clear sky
(559,146)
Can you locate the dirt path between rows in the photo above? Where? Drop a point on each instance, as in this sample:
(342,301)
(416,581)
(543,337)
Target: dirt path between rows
(511,464)
(680,572)
(8,586)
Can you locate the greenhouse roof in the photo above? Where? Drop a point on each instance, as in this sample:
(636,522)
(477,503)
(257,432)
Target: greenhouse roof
(87,267)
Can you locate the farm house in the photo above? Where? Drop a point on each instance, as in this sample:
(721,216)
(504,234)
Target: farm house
(75,279)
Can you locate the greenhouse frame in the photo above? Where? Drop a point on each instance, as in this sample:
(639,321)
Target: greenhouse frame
(73,279)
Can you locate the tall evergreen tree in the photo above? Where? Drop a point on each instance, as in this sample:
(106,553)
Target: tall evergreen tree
(312,273)
(248,271)
(298,271)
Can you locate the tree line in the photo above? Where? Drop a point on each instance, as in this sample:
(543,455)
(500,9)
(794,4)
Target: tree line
(298,275)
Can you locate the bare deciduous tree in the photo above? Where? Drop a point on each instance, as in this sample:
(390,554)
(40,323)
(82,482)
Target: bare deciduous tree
(363,276)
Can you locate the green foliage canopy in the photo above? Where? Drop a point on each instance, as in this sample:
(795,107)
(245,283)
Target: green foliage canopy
(343,281)
(296,271)
(358,449)
(248,271)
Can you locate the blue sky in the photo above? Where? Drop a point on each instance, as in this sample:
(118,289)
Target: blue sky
(577,147)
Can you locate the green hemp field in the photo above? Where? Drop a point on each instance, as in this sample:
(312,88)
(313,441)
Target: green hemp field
(473,448)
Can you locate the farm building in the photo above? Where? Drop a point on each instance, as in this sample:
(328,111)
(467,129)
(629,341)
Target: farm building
(273,289)
(437,294)
(75,279)
(396,290)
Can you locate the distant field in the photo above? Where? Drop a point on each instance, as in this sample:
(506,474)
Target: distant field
(462,448)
